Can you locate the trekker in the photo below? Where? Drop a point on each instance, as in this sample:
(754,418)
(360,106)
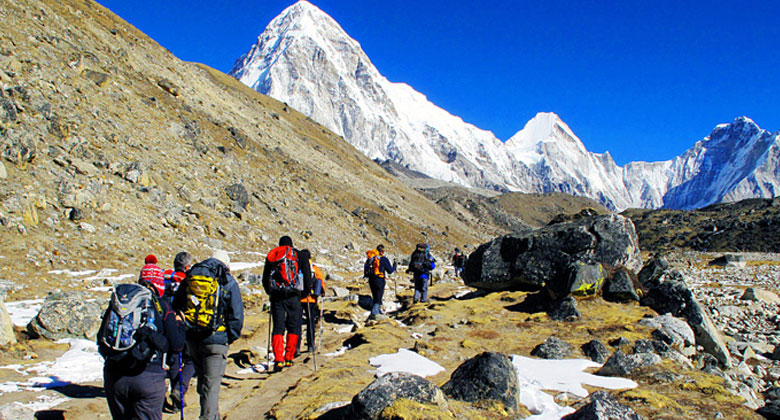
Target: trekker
(153,275)
(458,262)
(179,384)
(311,309)
(286,276)
(133,374)
(420,265)
(376,268)
(209,301)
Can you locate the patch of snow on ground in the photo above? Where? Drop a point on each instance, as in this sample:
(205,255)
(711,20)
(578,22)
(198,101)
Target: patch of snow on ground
(345,329)
(22,311)
(73,273)
(80,364)
(536,375)
(405,361)
(339,352)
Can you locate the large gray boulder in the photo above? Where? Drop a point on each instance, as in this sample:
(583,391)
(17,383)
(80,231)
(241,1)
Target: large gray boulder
(667,292)
(487,376)
(369,403)
(556,256)
(67,315)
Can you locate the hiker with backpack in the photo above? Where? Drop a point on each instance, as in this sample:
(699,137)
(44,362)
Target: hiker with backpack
(286,277)
(458,262)
(181,368)
(376,269)
(209,301)
(136,332)
(421,263)
(310,307)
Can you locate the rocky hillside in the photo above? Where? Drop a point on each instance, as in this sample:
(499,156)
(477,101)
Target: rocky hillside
(747,225)
(113,148)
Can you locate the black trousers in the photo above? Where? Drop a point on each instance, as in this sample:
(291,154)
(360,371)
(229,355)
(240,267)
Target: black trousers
(286,314)
(135,397)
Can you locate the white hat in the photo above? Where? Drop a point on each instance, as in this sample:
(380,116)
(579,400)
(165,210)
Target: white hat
(222,256)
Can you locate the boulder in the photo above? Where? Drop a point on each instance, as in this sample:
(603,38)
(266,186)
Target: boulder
(369,403)
(552,348)
(673,331)
(761,295)
(595,350)
(729,260)
(487,376)
(67,315)
(620,288)
(3,172)
(669,293)
(7,335)
(584,280)
(621,364)
(547,256)
(601,406)
(563,309)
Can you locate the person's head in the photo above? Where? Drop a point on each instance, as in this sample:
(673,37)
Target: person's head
(285,241)
(304,254)
(182,261)
(150,259)
(457,250)
(223,257)
(381,249)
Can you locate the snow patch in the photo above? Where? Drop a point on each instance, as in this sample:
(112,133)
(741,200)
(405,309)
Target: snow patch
(405,361)
(23,311)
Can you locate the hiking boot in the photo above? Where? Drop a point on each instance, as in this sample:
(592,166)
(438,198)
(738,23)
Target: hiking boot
(278,366)
(170,408)
(288,363)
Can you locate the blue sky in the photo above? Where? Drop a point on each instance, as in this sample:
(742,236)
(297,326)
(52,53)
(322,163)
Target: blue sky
(642,79)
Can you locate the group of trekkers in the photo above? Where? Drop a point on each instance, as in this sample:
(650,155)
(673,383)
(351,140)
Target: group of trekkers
(179,323)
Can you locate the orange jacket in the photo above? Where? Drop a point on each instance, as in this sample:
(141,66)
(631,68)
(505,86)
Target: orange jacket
(316,276)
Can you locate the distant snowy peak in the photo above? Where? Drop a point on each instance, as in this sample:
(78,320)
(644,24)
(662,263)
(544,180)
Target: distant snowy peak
(305,58)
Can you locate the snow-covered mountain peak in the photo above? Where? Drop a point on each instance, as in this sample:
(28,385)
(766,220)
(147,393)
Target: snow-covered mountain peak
(545,127)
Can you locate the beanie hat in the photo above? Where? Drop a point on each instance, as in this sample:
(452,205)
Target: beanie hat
(150,259)
(222,256)
(153,275)
(285,241)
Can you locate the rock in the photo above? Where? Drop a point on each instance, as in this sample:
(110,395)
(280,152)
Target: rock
(775,353)
(17,411)
(168,86)
(7,335)
(584,280)
(546,256)
(340,292)
(761,295)
(650,346)
(621,364)
(729,260)
(678,333)
(369,403)
(67,315)
(237,193)
(552,348)
(487,376)
(596,351)
(620,288)
(3,173)
(620,342)
(75,214)
(771,410)
(563,309)
(86,227)
(96,77)
(602,406)
(653,270)
(669,293)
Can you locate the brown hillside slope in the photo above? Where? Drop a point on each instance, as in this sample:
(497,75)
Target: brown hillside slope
(152,154)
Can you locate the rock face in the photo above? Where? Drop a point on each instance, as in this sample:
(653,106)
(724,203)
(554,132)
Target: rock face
(668,292)
(620,288)
(729,260)
(371,401)
(603,407)
(553,255)
(675,331)
(596,351)
(487,376)
(7,335)
(621,364)
(66,315)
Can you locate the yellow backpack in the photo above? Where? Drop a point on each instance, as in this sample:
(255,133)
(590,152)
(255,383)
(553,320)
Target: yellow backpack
(203,310)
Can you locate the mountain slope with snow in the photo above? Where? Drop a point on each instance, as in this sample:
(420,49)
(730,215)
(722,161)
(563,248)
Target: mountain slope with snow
(305,59)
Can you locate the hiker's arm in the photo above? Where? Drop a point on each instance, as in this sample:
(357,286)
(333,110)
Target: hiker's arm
(306,271)
(386,266)
(180,297)
(234,318)
(173,333)
(267,277)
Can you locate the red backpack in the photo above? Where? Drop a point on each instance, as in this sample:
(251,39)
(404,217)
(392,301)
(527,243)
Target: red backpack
(285,274)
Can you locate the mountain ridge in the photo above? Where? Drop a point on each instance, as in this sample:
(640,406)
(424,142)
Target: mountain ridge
(325,74)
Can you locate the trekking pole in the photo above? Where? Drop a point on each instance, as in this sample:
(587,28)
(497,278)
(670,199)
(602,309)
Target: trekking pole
(311,332)
(319,340)
(268,346)
(181,388)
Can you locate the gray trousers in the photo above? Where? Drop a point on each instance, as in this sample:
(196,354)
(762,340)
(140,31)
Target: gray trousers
(210,361)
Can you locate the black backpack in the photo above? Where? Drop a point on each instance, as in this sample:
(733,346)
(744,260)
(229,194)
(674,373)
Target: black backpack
(419,263)
(132,306)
